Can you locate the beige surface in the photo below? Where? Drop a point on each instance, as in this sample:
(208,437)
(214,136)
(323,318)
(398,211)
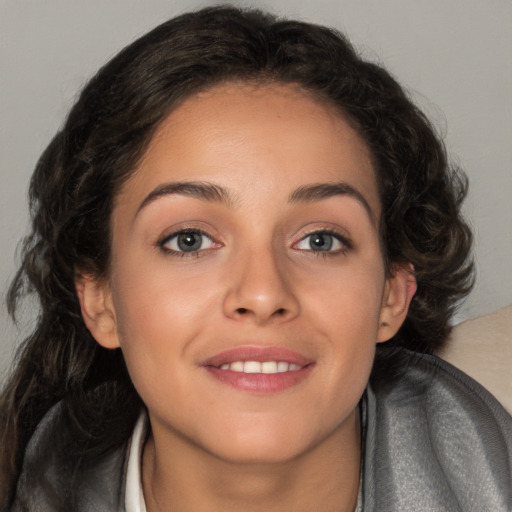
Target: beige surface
(483,349)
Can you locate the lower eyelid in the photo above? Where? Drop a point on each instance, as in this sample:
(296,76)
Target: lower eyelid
(338,238)
(344,243)
(165,241)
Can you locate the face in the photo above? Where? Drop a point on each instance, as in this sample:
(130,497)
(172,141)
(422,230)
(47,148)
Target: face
(247,288)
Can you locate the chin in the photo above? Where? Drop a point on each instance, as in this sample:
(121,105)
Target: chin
(260,452)
(269,443)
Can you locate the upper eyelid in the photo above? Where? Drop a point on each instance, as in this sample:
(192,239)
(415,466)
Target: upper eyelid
(341,234)
(178,232)
(163,242)
(187,227)
(338,233)
(346,242)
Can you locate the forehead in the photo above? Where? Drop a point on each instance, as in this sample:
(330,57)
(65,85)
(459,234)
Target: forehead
(267,137)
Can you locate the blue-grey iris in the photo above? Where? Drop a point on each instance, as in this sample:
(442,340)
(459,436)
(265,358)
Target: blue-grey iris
(189,242)
(321,242)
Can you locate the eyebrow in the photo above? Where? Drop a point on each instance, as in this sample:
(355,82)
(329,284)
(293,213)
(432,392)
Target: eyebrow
(215,193)
(197,189)
(319,191)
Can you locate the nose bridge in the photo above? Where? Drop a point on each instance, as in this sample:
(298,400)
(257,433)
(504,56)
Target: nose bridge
(259,287)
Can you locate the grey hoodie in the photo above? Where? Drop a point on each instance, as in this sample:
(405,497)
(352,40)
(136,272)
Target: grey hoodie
(434,441)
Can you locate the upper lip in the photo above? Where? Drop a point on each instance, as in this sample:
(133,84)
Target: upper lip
(257,353)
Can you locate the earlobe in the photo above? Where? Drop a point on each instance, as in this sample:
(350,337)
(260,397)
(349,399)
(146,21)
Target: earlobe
(97,309)
(399,291)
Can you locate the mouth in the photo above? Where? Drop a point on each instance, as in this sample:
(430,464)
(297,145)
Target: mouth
(267,367)
(259,369)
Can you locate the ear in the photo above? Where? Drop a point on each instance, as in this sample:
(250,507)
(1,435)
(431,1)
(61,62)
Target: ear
(398,293)
(97,309)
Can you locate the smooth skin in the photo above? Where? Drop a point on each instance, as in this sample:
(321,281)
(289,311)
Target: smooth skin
(252,220)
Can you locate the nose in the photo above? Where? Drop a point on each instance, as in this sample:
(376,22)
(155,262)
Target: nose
(259,291)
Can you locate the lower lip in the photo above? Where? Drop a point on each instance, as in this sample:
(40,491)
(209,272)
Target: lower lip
(260,382)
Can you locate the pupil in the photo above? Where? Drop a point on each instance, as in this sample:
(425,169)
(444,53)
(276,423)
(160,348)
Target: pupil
(321,242)
(189,242)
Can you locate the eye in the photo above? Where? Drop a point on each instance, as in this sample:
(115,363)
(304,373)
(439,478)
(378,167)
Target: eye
(323,241)
(187,241)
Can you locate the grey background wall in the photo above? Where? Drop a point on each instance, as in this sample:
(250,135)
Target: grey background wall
(455,58)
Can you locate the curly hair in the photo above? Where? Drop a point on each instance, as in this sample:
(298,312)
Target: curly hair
(74,186)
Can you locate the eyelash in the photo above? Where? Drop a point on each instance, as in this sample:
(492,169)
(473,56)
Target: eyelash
(163,242)
(343,240)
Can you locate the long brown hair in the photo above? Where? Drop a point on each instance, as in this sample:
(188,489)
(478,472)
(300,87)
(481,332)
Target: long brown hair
(73,188)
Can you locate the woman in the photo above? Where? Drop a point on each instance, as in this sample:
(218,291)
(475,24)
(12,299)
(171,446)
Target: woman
(240,225)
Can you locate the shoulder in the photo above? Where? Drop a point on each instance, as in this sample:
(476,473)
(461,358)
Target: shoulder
(57,476)
(434,386)
(437,437)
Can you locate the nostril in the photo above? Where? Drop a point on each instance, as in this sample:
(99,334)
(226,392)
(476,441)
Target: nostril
(242,311)
(280,312)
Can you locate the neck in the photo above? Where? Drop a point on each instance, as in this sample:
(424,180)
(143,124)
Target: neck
(181,477)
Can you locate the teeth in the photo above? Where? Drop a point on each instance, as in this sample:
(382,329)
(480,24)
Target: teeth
(282,367)
(237,366)
(257,367)
(252,367)
(269,367)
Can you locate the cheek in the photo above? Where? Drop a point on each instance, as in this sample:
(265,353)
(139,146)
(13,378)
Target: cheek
(348,299)
(156,295)
(345,309)
(158,314)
